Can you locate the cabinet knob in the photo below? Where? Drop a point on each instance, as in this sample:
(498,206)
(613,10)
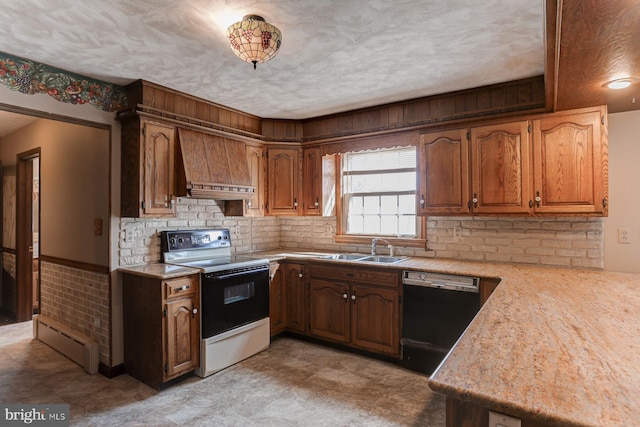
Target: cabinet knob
(475,200)
(183,288)
(422,202)
(317,203)
(353,297)
(295,203)
(537,199)
(345,296)
(195,311)
(300,275)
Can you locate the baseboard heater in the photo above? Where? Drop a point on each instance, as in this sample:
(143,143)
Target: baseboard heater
(81,350)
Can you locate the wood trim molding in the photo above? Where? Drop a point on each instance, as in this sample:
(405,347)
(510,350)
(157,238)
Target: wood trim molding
(111,371)
(509,98)
(75,264)
(553,14)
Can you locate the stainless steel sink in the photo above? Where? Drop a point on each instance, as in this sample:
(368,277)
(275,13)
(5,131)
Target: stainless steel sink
(383,259)
(346,257)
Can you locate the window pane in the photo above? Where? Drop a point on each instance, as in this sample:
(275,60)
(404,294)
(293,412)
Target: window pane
(355,205)
(407,226)
(381,182)
(355,224)
(371,205)
(407,204)
(372,224)
(389,205)
(389,225)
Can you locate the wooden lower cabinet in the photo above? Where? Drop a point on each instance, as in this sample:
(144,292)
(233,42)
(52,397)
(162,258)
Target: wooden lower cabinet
(356,313)
(295,296)
(161,327)
(375,317)
(276,300)
(329,310)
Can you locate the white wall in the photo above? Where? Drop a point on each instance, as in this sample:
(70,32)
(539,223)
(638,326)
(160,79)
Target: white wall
(624,180)
(74,186)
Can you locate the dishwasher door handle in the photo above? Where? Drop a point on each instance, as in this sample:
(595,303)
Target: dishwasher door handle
(439,285)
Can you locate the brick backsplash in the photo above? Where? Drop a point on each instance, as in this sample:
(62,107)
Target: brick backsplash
(139,240)
(565,241)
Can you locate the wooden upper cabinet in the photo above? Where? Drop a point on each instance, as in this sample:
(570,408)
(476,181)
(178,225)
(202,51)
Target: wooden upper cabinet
(443,173)
(148,169)
(159,167)
(283,181)
(500,175)
(254,207)
(570,160)
(312,181)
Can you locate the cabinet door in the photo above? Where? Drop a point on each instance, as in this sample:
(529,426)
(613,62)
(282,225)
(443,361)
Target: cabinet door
(570,163)
(329,310)
(276,302)
(283,169)
(312,181)
(443,173)
(375,321)
(295,298)
(158,169)
(254,207)
(500,160)
(182,340)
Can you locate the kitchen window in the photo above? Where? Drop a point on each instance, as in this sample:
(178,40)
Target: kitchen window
(378,190)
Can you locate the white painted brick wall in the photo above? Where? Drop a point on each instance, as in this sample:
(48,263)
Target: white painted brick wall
(567,242)
(75,298)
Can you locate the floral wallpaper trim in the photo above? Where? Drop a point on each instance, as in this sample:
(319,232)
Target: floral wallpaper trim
(30,77)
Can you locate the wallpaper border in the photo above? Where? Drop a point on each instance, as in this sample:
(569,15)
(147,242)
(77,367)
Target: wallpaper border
(31,77)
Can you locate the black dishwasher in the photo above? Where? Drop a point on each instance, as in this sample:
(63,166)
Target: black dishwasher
(437,308)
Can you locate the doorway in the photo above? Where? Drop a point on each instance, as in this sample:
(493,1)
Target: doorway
(27,235)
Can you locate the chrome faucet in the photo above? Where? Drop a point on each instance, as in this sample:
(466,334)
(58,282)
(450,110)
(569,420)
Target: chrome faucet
(374,246)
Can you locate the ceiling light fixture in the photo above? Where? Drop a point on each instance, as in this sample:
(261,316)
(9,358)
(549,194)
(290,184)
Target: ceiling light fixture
(254,40)
(620,83)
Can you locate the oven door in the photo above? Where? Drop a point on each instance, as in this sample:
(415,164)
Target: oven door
(233,298)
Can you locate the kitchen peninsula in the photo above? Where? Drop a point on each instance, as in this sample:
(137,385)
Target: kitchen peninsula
(552,346)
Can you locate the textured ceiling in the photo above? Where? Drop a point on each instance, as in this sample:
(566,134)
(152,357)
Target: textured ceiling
(336,55)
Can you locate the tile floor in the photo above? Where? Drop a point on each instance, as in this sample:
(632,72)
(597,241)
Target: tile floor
(293,383)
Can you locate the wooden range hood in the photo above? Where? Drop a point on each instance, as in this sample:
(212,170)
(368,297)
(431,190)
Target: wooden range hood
(212,167)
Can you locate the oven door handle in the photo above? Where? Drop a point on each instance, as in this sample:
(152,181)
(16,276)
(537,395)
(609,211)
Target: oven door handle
(226,276)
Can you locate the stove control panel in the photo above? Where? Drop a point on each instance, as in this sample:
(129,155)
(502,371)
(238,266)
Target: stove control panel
(195,239)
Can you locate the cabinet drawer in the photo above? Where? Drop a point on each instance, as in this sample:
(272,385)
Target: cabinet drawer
(360,274)
(185,286)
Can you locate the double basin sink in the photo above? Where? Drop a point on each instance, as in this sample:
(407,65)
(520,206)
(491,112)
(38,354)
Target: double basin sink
(382,259)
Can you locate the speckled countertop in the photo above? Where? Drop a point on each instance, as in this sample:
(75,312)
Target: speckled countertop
(159,271)
(557,346)
(553,345)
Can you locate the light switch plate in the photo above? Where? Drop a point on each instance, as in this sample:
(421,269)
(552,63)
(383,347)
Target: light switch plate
(501,420)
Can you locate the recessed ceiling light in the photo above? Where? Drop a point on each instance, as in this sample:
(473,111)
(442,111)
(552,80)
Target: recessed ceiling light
(620,83)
